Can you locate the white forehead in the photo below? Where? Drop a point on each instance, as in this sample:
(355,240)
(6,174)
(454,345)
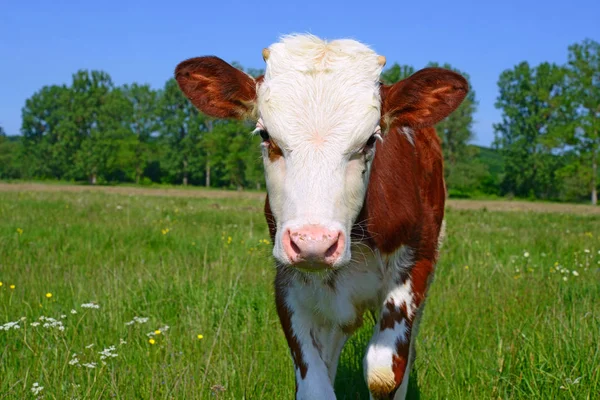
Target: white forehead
(320,90)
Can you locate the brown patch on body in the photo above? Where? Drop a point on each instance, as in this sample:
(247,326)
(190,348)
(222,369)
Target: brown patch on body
(272,224)
(274,151)
(392,315)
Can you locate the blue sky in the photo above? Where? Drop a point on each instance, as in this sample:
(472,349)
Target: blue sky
(45,42)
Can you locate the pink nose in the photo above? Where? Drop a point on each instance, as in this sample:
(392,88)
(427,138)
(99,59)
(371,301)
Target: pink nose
(314,244)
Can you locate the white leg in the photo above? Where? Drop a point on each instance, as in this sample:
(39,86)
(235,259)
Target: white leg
(315,348)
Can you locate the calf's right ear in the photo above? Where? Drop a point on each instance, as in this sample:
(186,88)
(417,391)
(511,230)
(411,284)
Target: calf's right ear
(216,88)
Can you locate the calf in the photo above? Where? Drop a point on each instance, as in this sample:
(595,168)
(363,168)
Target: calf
(355,202)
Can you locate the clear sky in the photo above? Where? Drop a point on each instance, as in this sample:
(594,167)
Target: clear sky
(45,42)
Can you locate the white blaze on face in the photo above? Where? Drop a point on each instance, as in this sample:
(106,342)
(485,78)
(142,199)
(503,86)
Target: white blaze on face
(320,104)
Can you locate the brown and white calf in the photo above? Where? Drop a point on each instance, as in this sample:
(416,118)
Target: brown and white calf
(355,202)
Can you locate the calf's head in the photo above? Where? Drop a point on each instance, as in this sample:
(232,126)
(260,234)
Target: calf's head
(319,110)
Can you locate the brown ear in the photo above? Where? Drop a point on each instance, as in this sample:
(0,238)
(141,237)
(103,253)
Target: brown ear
(216,88)
(424,98)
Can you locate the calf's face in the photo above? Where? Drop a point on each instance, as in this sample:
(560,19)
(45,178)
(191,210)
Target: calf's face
(318,110)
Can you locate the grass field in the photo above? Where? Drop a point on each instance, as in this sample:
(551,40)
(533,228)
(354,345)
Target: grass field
(514,311)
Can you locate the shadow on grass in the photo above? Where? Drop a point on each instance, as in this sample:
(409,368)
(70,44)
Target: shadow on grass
(350,383)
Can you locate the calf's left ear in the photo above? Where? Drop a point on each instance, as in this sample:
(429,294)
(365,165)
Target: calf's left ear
(423,99)
(216,88)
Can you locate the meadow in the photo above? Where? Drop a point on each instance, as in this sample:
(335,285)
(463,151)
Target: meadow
(130,296)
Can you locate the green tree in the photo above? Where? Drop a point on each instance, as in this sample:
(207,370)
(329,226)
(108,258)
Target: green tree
(8,156)
(534,121)
(143,122)
(50,137)
(182,128)
(100,113)
(584,84)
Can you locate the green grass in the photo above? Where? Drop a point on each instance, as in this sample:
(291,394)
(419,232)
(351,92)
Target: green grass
(508,326)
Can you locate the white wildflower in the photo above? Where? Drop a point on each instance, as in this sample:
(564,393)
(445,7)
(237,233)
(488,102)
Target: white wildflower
(53,323)
(575,273)
(586,251)
(122,342)
(139,320)
(63,316)
(34,324)
(90,305)
(10,325)
(73,311)
(36,388)
(89,346)
(526,254)
(565,278)
(108,353)
(90,365)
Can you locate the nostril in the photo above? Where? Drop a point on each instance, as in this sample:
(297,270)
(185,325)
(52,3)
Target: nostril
(333,248)
(295,247)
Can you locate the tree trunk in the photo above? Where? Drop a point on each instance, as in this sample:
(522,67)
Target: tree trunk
(93,179)
(185,173)
(207,182)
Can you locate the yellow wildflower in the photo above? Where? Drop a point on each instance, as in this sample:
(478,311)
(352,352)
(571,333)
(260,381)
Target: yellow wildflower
(165,231)
(19,231)
(157,332)
(466,267)
(12,286)
(200,337)
(0,283)
(229,239)
(151,341)
(48,295)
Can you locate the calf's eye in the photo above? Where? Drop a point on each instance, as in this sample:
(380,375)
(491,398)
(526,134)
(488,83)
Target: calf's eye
(371,140)
(264,135)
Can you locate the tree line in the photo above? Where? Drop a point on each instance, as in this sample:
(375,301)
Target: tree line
(549,136)
(546,145)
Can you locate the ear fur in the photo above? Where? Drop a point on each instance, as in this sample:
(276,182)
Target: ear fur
(423,99)
(216,88)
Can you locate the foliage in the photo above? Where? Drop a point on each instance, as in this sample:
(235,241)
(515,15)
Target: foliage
(549,135)
(583,80)
(9,163)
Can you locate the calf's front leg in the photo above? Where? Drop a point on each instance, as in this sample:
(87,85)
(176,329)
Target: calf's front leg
(315,346)
(390,352)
